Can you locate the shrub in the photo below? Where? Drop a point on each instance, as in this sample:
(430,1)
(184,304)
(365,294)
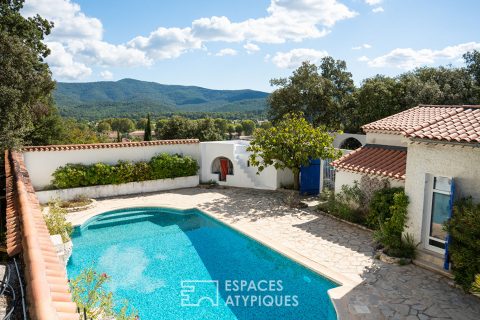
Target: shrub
(391,225)
(379,207)
(464,249)
(162,166)
(345,204)
(57,223)
(89,293)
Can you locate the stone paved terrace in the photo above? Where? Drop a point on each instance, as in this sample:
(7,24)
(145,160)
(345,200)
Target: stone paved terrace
(372,289)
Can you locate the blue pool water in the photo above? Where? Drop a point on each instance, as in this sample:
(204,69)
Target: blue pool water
(151,254)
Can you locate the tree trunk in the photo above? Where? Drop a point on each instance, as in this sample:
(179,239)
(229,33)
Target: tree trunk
(296,179)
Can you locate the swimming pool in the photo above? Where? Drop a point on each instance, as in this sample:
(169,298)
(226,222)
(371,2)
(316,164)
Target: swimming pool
(183,264)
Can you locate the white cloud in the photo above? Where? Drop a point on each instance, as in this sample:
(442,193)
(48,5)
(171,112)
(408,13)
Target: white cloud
(226,52)
(294,58)
(62,64)
(70,22)
(251,48)
(363,59)
(377,10)
(373,2)
(81,37)
(107,75)
(287,20)
(76,41)
(363,46)
(407,58)
(166,43)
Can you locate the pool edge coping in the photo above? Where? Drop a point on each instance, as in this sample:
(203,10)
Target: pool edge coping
(345,284)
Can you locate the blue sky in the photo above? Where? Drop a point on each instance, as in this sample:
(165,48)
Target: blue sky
(227,44)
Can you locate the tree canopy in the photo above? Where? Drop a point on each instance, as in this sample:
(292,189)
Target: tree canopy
(291,144)
(327,96)
(320,93)
(25,79)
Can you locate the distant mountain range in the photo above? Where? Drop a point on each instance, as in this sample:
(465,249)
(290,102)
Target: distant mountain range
(135,98)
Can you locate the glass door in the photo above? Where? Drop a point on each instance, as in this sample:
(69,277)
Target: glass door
(438,213)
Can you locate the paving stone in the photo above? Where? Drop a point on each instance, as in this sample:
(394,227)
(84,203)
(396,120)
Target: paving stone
(389,291)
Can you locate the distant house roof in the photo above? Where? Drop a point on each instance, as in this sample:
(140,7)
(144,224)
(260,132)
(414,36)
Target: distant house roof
(375,159)
(108,145)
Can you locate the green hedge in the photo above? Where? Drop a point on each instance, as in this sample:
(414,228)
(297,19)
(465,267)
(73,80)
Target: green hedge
(162,166)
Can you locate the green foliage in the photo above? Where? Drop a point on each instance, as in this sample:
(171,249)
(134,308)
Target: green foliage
(163,166)
(104,127)
(166,166)
(175,128)
(472,59)
(346,204)
(391,226)
(476,285)
(336,205)
(291,144)
(57,223)
(379,207)
(182,128)
(464,230)
(89,292)
(141,123)
(147,136)
(320,93)
(248,126)
(122,125)
(25,79)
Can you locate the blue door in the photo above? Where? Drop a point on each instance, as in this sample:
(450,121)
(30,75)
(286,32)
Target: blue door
(310,178)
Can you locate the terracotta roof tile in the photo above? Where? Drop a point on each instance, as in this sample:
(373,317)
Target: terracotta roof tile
(415,118)
(379,160)
(463,126)
(48,294)
(108,145)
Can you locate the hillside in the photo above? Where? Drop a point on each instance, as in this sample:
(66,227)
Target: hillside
(129,97)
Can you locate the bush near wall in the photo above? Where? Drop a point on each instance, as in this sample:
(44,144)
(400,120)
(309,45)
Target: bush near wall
(464,229)
(162,166)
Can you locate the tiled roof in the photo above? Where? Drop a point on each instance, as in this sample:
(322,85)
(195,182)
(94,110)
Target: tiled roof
(463,126)
(108,145)
(48,294)
(413,118)
(379,160)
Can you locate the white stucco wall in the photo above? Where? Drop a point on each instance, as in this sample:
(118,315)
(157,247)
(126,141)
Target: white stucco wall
(386,139)
(41,164)
(243,175)
(459,162)
(343,177)
(118,189)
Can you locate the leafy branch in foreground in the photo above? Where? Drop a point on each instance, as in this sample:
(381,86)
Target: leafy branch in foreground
(89,293)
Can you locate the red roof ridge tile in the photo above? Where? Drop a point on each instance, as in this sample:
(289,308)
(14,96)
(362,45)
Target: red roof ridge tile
(47,289)
(67,147)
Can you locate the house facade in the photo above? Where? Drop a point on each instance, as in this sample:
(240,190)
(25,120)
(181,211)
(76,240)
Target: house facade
(431,150)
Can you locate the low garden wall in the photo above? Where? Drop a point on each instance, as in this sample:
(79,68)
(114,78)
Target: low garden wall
(110,190)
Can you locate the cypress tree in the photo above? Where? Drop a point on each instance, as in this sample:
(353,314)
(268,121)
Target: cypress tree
(147,136)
